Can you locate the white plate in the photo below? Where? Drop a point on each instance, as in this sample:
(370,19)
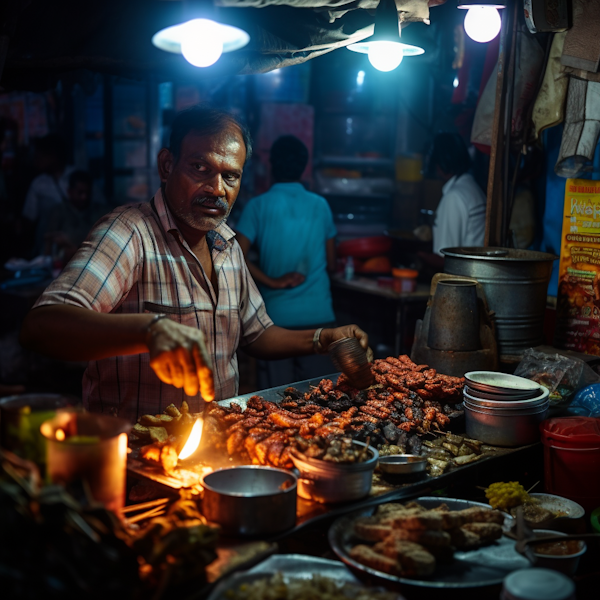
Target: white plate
(553,503)
(501,381)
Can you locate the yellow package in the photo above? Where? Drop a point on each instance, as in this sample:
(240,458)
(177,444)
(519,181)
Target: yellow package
(578,301)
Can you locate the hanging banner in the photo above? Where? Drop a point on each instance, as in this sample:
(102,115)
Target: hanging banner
(578,301)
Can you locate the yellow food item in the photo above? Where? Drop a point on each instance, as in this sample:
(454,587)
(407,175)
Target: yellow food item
(503,495)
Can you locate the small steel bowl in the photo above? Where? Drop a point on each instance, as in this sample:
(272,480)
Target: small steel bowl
(402,464)
(329,482)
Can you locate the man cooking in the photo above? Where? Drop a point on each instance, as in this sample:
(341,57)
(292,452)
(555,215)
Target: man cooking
(159,298)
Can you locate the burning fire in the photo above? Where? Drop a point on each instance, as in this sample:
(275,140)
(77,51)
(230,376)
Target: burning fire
(193,440)
(60,435)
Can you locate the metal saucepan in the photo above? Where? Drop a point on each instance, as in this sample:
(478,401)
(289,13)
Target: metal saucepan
(250,500)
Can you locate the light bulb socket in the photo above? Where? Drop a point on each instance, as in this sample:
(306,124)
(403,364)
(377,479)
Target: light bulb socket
(387,24)
(199,9)
(467,4)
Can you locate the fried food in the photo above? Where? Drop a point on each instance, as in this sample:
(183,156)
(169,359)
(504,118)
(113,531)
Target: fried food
(415,520)
(413,558)
(416,537)
(488,532)
(482,515)
(369,557)
(370,529)
(426,538)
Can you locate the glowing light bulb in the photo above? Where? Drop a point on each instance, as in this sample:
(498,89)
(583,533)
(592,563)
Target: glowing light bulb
(202,43)
(482,23)
(385,56)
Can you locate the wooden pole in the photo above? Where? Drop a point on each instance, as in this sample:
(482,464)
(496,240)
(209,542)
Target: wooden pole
(494,225)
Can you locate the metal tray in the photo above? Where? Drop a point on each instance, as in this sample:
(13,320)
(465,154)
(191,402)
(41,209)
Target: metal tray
(474,568)
(291,566)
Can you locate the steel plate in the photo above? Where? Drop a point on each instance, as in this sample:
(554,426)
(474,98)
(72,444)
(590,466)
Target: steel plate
(291,566)
(474,568)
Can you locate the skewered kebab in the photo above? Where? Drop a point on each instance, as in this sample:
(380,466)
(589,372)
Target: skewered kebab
(386,413)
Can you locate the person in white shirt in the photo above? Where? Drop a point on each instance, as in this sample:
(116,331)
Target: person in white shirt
(460,215)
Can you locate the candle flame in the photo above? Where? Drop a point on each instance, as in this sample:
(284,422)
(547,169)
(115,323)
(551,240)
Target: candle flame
(60,435)
(193,440)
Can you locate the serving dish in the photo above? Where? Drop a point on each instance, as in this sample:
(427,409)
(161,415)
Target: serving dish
(291,566)
(481,567)
(499,383)
(562,507)
(501,397)
(509,403)
(402,464)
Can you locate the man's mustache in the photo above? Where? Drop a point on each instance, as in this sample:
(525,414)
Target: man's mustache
(218,202)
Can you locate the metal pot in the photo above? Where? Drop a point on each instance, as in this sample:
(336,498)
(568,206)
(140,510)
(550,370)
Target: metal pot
(250,500)
(329,482)
(515,284)
(454,320)
(504,428)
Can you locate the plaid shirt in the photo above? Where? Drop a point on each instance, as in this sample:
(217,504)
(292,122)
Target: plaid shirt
(135,260)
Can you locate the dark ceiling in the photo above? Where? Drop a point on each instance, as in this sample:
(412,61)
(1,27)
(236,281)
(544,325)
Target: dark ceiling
(47,38)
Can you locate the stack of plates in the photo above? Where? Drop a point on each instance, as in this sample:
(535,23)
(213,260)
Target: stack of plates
(503,410)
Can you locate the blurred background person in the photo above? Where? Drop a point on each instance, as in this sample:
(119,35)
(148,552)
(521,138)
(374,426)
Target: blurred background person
(49,188)
(69,222)
(460,215)
(293,232)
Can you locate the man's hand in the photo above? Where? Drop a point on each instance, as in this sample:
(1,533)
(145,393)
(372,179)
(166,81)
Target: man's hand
(178,356)
(328,336)
(289,280)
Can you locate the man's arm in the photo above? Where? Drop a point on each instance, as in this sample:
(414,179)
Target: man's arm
(289,280)
(177,353)
(276,342)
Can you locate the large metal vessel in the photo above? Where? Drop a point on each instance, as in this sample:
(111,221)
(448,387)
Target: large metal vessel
(515,284)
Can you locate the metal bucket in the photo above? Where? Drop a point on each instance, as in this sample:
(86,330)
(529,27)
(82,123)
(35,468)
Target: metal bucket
(516,286)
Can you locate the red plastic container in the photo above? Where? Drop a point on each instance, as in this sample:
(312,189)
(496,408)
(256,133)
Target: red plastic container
(365,247)
(572,459)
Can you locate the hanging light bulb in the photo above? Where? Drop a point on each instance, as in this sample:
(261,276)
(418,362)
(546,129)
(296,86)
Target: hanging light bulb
(384,48)
(201,41)
(385,56)
(482,21)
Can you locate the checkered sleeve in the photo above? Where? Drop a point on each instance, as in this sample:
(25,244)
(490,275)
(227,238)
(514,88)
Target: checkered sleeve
(104,268)
(253,314)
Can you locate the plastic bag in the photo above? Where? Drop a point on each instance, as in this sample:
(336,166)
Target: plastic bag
(560,374)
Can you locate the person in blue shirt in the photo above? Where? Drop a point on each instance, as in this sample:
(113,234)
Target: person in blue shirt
(293,231)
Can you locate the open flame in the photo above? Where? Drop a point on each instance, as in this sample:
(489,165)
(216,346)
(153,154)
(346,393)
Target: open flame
(193,440)
(60,435)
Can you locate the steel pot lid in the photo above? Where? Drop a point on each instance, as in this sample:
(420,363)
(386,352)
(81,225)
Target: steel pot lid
(498,254)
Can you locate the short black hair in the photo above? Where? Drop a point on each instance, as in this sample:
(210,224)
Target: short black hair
(204,120)
(53,144)
(80,177)
(449,153)
(289,157)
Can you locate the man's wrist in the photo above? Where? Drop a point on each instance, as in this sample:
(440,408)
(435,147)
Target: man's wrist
(318,346)
(148,330)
